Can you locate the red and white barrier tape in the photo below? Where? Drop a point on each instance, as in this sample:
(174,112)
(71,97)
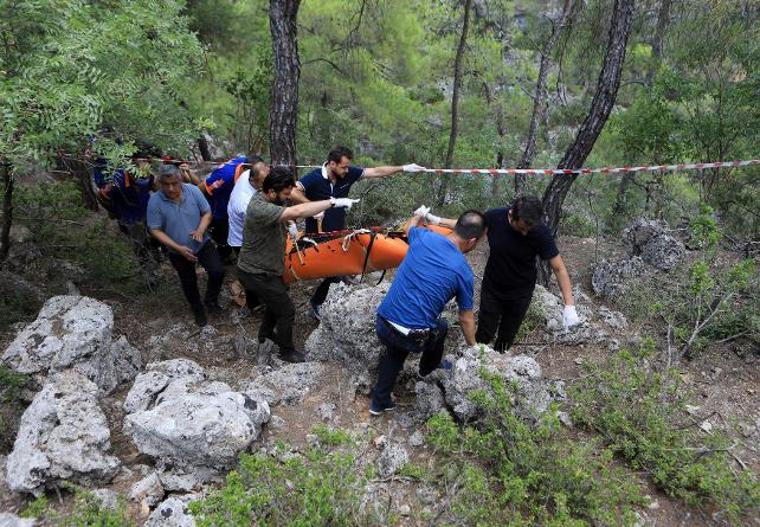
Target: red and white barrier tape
(601,170)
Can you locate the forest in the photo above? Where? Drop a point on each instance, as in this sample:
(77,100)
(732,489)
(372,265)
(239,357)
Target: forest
(651,406)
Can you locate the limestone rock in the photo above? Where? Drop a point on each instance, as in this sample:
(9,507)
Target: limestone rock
(172,512)
(346,333)
(287,385)
(63,435)
(651,240)
(392,459)
(429,400)
(148,490)
(73,332)
(611,278)
(108,498)
(11,520)
(192,423)
(533,395)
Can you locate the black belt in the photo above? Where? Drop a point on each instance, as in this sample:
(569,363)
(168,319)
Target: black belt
(419,336)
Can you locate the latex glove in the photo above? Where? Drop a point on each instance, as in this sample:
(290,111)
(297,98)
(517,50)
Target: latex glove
(432,218)
(413,167)
(344,203)
(422,211)
(293,230)
(570,317)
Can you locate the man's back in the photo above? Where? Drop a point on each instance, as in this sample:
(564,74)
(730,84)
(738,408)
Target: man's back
(433,271)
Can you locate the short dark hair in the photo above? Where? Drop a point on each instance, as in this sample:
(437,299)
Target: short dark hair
(338,153)
(529,209)
(252,160)
(471,224)
(168,170)
(278,180)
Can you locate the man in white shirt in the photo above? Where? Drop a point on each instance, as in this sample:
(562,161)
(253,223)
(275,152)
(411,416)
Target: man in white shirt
(246,186)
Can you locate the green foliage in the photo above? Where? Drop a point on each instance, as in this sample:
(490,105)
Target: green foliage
(320,487)
(332,436)
(87,511)
(11,406)
(509,471)
(639,412)
(11,383)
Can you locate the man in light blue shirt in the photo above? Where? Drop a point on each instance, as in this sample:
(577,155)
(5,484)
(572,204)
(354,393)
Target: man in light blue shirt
(433,272)
(178,217)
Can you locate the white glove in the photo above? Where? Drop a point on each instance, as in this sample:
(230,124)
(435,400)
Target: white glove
(293,230)
(422,211)
(432,218)
(570,317)
(343,202)
(413,167)
(320,216)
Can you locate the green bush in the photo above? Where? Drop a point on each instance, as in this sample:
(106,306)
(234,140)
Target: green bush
(11,406)
(319,488)
(88,511)
(640,413)
(507,471)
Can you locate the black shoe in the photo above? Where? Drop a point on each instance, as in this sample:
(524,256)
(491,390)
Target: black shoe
(200,316)
(214,308)
(293,356)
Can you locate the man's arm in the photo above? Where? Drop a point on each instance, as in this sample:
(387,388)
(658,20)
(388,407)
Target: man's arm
(198,233)
(563,279)
(162,237)
(306,210)
(467,323)
(381,172)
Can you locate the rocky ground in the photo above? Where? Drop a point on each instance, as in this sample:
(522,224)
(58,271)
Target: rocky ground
(136,400)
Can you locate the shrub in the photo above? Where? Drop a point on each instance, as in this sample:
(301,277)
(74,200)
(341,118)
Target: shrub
(507,471)
(640,413)
(319,488)
(88,510)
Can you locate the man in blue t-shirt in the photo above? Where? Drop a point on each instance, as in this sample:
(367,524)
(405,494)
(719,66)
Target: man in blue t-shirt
(218,187)
(433,272)
(178,217)
(334,180)
(516,237)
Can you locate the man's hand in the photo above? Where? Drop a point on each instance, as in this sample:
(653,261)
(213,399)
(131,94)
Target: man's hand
(293,230)
(413,167)
(197,236)
(320,216)
(570,317)
(187,253)
(345,203)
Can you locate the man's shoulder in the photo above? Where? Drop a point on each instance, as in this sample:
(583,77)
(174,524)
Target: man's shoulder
(311,177)
(155,199)
(541,232)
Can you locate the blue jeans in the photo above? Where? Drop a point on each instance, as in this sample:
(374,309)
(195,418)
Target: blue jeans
(399,346)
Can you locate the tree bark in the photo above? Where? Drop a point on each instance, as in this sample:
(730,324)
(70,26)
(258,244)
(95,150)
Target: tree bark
(444,188)
(203,148)
(601,106)
(541,94)
(663,19)
(5,228)
(287,70)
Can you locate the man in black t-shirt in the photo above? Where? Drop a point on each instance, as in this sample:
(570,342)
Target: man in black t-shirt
(515,237)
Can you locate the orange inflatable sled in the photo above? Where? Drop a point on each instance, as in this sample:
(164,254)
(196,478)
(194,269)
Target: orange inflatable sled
(358,252)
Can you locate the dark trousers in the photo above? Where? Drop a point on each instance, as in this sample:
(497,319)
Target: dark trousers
(506,316)
(251,300)
(210,261)
(318,298)
(399,346)
(280,313)
(220,229)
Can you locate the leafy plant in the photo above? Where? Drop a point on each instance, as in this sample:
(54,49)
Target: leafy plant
(640,414)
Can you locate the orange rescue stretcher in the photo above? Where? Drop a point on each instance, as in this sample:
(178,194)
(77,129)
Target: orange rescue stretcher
(356,252)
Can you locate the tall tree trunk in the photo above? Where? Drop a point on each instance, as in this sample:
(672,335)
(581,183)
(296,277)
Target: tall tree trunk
(541,94)
(663,19)
(601,106)
(80,171)
(5,228)
(287,69)
(203,148)
(444,188)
